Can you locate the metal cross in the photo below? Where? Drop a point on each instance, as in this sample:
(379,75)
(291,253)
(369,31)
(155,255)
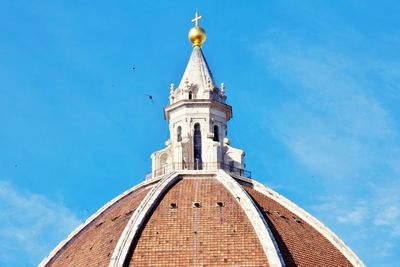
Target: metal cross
(196,19)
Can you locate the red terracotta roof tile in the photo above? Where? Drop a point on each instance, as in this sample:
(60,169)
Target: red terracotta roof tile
(299,243)
(94,244)
(204,235)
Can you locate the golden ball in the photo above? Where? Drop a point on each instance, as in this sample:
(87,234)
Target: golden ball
(197,36)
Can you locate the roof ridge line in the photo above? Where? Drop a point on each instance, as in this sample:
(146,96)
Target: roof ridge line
(312,221)
(197,70)
(258,222)
(86,222)
(138,218)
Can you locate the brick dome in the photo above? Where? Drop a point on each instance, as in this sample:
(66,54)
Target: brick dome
(199,206)
(198,218)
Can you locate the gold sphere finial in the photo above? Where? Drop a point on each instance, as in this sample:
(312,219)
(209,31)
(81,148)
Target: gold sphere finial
(197,35)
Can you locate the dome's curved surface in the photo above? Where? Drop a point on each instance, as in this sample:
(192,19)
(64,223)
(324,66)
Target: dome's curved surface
(197,208)
(93,243)
(217,232)
(300,243)
(199,221)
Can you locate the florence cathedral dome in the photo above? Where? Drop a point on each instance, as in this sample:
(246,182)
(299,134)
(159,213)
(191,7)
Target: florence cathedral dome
(199,206)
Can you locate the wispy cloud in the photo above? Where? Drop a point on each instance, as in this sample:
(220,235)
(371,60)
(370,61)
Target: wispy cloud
(355,216)
(372,220)
(30,225)
(333,122)
(383,211)
(388,216)
(337,120)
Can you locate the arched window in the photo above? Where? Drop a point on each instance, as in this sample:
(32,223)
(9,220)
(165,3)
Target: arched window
(197,147)
(216,133)
(190,95)
(179,134)
(163,164)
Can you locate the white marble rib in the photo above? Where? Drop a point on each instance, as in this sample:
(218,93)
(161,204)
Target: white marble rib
(90,219)
(308,218)
(261,228)
(138,218)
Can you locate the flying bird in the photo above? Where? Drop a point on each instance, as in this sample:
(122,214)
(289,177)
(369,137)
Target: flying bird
(151,98)
(133,68)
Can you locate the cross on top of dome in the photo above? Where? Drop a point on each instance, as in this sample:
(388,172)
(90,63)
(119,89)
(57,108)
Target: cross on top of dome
(196,19)
(197,35)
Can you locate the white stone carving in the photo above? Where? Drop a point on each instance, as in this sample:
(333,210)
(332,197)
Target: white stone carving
(260,226)
(138,219)
(45,261)
(196,100)
(308,218)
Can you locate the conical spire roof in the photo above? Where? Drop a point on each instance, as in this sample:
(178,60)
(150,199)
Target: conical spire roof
(197,71)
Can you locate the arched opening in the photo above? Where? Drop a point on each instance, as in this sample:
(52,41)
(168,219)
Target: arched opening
(179,134)
(163,164)
(216,133)
(190,95)
(197,147)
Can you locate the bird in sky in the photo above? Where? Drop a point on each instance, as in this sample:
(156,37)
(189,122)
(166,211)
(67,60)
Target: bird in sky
(151,98)
(133,68)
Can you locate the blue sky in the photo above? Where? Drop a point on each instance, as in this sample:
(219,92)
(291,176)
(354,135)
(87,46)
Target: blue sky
(314,89)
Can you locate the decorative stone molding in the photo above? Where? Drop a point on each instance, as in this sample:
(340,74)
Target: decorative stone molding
(138,218)
(46,260)
(308,218)
(257,220)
